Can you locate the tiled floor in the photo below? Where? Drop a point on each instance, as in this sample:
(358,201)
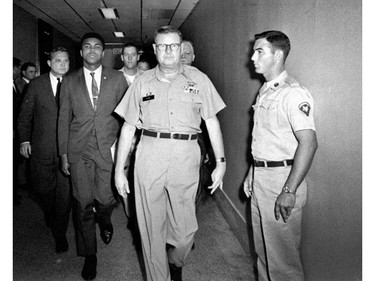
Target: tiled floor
(217,255)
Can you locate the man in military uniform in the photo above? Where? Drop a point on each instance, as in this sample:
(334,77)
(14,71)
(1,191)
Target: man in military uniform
(283,146)
(167,104)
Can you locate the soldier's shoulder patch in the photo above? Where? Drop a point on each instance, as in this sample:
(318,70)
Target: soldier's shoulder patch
(305,108)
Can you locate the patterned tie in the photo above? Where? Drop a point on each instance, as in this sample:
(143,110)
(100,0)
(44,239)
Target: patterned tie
(94,89)
(57,96)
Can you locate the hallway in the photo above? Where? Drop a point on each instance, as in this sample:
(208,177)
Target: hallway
(217,256)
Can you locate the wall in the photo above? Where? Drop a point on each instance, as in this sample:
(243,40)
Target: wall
(25,30)
(25,39)
(326,58)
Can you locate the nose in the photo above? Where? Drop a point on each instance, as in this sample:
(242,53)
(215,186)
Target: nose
(168,48)
(253,57)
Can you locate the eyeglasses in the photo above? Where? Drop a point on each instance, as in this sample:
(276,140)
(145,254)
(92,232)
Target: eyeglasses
(173,47)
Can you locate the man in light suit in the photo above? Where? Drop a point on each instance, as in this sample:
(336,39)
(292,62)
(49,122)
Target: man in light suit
(37,130)
(87,129)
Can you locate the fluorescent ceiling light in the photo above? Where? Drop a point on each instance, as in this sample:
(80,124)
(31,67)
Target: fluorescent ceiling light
(119,34)
(109,13)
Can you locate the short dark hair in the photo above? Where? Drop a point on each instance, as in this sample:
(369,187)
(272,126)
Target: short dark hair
(16,62)
(93,35)
(57,49)
(167,29)
(130,44)
(26,65)
(278,40)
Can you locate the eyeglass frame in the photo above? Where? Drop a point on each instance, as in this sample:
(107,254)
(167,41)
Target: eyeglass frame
(168,45)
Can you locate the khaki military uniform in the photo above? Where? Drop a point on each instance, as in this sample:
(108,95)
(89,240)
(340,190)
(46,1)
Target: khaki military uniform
(282,108)
(166,172)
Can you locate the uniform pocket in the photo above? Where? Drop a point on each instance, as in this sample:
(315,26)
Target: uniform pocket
(190,108)
(268,113)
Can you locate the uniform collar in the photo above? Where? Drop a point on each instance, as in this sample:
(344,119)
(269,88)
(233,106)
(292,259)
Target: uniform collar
(273,84)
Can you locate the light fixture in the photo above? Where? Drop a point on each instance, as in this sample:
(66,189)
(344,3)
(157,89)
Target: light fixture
(109,13)
(119,34)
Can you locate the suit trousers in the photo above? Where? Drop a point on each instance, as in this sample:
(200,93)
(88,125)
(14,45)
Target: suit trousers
(277,243)
(166,176)
(92,187)
(53,192)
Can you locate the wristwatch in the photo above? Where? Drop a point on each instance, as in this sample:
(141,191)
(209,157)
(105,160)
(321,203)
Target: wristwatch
(287,189)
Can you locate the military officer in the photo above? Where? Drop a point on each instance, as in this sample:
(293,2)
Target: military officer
(167,104)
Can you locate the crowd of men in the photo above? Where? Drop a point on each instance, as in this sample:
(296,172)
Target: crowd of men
(80,131)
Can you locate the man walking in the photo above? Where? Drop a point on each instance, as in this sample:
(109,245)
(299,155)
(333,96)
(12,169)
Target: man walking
(37,130)
(87,130)
(167,104)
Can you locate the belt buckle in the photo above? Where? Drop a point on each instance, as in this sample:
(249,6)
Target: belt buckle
(175,136)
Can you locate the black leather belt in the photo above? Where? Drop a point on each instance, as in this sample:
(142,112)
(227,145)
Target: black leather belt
(271,164)
(176,136)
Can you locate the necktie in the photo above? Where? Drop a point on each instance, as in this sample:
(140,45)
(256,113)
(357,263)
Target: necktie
(94,89)
(57,96)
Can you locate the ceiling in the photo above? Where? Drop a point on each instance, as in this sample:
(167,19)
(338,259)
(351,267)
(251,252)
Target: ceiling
(138,19)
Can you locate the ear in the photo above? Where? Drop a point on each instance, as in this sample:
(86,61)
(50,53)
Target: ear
(193,58)
(49,63)
(279,54)
(80,52)
(154,46)
(103,53)
(138,56)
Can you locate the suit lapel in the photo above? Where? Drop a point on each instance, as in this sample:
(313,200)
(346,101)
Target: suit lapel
(104,84)
(83,88)
(49,92)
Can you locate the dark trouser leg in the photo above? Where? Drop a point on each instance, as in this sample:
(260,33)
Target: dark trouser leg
(43,177)
(63,204)
(91,180)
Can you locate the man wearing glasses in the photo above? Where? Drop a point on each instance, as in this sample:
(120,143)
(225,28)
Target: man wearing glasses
(167,104)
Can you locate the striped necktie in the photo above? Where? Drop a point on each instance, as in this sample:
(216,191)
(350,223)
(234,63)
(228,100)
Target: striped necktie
(94,89)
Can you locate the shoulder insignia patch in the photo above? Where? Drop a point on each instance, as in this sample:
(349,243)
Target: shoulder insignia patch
(305,108)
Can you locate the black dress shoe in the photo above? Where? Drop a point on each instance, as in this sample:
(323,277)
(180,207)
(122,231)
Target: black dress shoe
(89,268)
(106,233)
(61,245)
(176,272)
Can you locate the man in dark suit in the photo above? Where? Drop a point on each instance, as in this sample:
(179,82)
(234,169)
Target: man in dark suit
(87,129)
(28,71)
(37,129)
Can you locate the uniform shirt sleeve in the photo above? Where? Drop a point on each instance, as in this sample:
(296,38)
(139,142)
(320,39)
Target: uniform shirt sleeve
(128,108)
(299,106)
(212,102)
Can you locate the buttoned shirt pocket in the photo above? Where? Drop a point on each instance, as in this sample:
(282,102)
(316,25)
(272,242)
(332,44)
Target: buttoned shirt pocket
(268,114)
(190,106)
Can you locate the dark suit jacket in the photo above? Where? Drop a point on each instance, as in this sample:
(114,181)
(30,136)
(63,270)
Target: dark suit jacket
(37,121)
(77,117)
(20,83)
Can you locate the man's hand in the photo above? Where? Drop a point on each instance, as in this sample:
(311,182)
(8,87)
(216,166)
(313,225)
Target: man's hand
(284,205)
(65,164)
(25,149)
(121,183)
(248,183)
(217,176)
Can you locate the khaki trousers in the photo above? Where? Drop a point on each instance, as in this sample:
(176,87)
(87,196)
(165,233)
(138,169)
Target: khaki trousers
(166,176)
(277,243)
